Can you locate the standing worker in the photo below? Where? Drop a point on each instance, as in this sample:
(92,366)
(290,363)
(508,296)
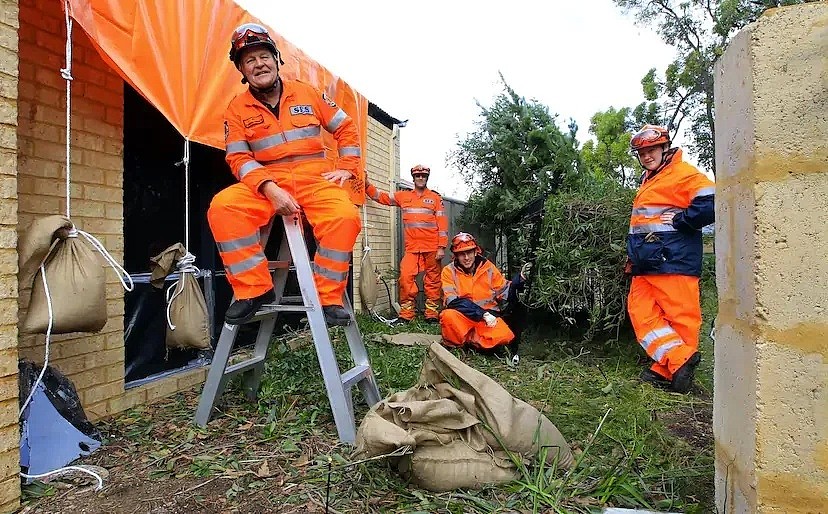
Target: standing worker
(664,247)
(476,299)
(426,236)
(273,137)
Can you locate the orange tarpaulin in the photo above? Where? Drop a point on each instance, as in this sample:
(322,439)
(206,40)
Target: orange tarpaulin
(175,53)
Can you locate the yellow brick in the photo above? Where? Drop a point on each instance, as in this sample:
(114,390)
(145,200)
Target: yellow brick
(8,311)
(9,464)
(81,363)
(8,362)
(191,378)
(88,208)
(33,166)
(130,398)
(98,410)
(9,412)
(8,389)
(8,239)
(114,340)
(161,388)
(9,13)
(8,136)
(8,61)
(114,212)
(103,194)
(76,345)
(8,162)
(9,438)
(10,494)
(102,392)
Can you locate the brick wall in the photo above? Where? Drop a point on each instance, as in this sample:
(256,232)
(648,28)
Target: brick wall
(382,167)
(9,437)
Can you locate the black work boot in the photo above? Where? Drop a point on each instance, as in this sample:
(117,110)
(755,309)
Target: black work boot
(336,316)
(683,377)
(651,377)
(240,311)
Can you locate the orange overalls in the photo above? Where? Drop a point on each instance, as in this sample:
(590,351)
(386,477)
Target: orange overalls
(287,149)
(487,289)
(666,262)
(425,230)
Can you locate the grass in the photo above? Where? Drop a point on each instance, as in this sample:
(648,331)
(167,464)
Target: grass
(635,445)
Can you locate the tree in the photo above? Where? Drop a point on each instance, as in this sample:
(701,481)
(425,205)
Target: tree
(700,31)
(516,153)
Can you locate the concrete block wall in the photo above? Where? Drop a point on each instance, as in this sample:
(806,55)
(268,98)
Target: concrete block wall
(383,169)
(771,373)
(9,434)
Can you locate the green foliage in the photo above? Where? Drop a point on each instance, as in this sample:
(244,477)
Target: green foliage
(700,31)
(581,256)
(516,153)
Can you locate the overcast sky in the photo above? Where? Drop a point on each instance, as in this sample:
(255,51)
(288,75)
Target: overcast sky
(428,61)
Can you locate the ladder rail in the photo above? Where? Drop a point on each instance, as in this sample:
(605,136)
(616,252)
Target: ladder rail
(293,256)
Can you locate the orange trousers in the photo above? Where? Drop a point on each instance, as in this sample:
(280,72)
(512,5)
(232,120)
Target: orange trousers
(413,264)
(236,214)
(458,330)
(666,317)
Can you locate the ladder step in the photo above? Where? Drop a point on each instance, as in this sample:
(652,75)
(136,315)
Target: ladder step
(274,265)
(240,367)
(268,311)
(355,374)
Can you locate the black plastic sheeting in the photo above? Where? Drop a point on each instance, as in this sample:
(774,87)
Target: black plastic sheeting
(54,429)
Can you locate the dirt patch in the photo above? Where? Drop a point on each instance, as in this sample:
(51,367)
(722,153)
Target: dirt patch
(693,423)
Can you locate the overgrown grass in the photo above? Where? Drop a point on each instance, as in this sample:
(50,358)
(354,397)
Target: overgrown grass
(635,445)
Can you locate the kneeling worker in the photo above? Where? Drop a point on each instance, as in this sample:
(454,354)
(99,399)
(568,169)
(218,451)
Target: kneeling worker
(475,295)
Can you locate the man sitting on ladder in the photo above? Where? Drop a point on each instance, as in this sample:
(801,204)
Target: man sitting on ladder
(273,137)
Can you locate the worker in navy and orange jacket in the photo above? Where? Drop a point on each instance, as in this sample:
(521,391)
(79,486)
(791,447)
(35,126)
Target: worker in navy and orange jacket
(475,294)
(273,136)
(425,231)
(664,249)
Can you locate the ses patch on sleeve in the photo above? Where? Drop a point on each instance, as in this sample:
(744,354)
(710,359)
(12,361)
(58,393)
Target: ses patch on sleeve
(328,100)
(226,131)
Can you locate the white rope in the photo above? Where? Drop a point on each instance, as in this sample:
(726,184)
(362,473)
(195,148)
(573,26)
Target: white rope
(185,265)
(67,469)
(66,73)
(186,162)
(123,276)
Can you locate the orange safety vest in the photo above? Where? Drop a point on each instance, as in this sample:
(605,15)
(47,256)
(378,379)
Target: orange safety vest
(425,226)
(487,287)
(257,140)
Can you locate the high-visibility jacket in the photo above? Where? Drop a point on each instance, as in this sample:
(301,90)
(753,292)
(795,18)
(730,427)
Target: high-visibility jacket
(656,248)
(425,226)
(474,293)
(257,140)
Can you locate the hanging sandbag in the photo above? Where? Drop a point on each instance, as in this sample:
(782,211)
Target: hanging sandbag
(367,281)
(74,277)
(187,321)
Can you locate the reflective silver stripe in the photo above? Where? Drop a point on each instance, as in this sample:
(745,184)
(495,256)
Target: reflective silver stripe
(420,224)
(336,121)
(441,233)
(237,147)
(450,299)
(337,276)
(705,191)
(654,334)
(416,210)
(450,289)
(654,210)
(352,151)
(248,167)
(279,139)
(393,198)
(439,213)
(663,349)
(504,290)
(652,227)
(376,195)
(238,244)
(246,264)
(334,255)
(296,158)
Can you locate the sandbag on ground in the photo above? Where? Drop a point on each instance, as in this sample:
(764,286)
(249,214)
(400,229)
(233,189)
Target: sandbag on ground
(443,419)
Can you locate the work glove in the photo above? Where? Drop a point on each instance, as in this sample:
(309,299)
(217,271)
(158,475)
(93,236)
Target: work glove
(525,270)
(489,319)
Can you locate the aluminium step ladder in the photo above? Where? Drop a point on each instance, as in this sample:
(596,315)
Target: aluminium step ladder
(339,385)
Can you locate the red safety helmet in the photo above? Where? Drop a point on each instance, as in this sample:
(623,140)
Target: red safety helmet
(463,242)
(420,170)
(249,35)
(650,135)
